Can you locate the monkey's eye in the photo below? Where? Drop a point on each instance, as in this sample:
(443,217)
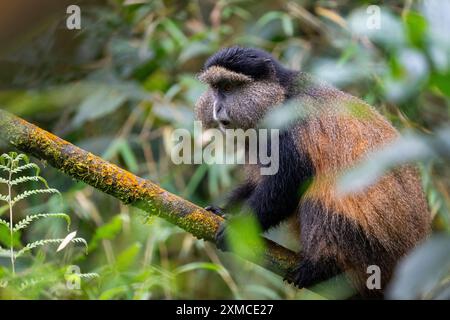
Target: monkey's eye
(227,87)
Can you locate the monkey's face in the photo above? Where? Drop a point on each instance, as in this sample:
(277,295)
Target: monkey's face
(234,100)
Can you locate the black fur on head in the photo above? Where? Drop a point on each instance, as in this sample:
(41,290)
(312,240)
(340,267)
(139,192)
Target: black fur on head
(255,63)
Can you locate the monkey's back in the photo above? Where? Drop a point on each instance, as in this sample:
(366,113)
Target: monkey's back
(375,226)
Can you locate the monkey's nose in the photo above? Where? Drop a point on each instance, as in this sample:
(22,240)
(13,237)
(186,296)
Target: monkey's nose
(225,123)
(223,119)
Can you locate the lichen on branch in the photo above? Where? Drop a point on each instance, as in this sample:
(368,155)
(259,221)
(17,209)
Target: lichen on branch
(125,186)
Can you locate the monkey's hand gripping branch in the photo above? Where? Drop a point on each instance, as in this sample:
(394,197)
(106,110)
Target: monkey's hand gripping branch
(128,188)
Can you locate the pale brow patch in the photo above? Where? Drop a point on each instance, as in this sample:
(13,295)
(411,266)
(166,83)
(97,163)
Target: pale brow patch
(216,74)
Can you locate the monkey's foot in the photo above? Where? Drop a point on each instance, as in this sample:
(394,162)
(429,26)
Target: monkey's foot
(216,210)
(309,272)
(298,276)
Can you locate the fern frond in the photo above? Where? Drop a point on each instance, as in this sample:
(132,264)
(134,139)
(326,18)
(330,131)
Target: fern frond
(89,275)
(27,283)
(9,156)
(27,220)
(4,168)
(26,167)
(28,193)
(82,241)
(21,157)
(4,222)
(4,181)
(43,242)
(35,244)
(4,198)
(26,179)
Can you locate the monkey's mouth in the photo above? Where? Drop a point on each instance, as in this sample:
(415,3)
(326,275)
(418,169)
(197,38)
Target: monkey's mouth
(224,124)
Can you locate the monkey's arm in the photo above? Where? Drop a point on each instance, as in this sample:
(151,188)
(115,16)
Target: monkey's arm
(277,196)
(234,199)
(240,194)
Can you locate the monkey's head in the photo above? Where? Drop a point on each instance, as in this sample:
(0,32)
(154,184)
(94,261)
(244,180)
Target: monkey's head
(243,84)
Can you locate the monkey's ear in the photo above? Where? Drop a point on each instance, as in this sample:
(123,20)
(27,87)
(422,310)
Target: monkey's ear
(271,71)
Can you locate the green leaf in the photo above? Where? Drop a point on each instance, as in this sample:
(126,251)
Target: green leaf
(405,149)
(288,26)
(269,17)
(122,147)
(193,50)
(441,81)
(113,293)
(263,292)
(5,239)
(416,27)
(157,81)
(3,209)
(127,257)
(107,231)
(100,103)
(128,156)
(5,223)
(419,274)
(198,266)
(174,31)
(40,101)
(388,33)
(195,180)
(244,237)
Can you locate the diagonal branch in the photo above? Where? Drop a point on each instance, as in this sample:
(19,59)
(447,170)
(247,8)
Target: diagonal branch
(125,186)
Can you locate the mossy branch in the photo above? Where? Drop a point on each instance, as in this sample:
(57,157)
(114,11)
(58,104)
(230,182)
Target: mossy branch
(125,186)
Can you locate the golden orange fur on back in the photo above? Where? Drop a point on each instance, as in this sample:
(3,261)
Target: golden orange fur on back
(393,210)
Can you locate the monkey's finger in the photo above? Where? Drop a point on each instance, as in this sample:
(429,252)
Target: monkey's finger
(216,210)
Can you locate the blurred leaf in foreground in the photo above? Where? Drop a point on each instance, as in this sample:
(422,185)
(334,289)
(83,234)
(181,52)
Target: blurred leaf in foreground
(425,273)
(406,149)
(244,236)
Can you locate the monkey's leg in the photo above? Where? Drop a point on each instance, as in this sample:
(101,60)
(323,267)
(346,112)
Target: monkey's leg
(324,238)
(310,272)
(332,241)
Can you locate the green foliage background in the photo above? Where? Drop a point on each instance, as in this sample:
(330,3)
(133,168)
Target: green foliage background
(118,86)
